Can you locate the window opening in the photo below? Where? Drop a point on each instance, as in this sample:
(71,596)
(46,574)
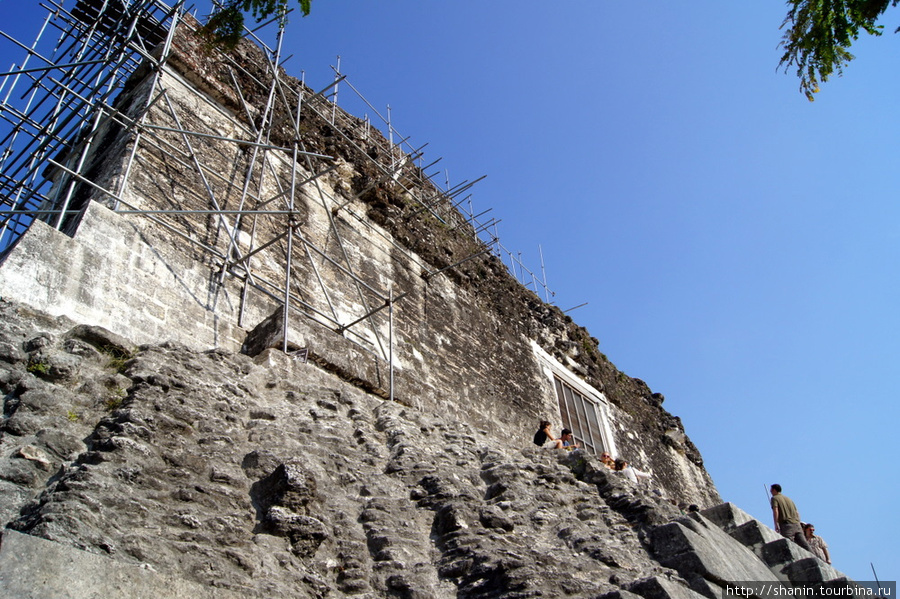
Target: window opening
(579,414)
(582,409)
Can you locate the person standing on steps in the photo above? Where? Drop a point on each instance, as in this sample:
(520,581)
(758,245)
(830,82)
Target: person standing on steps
(817,543)
(787,518)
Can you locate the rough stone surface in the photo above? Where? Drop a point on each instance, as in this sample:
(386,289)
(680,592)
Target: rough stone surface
(268,476)
(792,563)
(727,516)
(34,568)
(462,340)
(702,552)
(657,587)
(754,535)
(810,570)
(134,435)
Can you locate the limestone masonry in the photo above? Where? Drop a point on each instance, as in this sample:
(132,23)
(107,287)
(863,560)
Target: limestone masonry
(469,342)
(158,441)
(161,471)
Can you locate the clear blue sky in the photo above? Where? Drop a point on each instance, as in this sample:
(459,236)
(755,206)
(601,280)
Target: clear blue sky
(738,246)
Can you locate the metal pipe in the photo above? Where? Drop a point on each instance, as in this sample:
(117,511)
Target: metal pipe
(340,243)
(240,142)
(391,343)
(335,96)
(290,238)
(53,66)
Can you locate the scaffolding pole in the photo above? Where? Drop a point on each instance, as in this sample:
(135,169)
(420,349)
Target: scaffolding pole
(244,220)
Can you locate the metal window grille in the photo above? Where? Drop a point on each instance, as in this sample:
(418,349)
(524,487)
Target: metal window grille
(579,414)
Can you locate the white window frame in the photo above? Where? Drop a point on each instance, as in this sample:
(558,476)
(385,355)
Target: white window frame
(553,370)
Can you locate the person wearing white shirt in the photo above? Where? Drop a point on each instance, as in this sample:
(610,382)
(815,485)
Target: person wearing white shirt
(632,474)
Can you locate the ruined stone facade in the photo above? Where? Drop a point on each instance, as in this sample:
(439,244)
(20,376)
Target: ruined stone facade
(460,340)
(166,472)
(156,440)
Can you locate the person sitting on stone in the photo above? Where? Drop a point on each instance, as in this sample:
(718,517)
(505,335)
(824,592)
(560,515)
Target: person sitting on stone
(632,474)
(607,460)
(816,543)
(568,441)
(544,438)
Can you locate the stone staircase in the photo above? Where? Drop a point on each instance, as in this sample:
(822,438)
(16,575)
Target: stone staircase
(789,562)
(724,545)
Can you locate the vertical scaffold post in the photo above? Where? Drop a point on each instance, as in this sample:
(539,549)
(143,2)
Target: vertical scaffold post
(391,138)
(334,100)
(391,342)
(544,275)
(291,200)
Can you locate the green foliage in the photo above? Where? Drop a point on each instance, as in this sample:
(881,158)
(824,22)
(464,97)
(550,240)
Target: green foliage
(39,368)
(73,416)
(117,363)
(116,399)
(117,357)
(225,26)
(113,403)
(587,347)
(819,34)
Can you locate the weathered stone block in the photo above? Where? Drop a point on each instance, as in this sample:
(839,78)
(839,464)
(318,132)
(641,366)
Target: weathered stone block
(80,277)
(810,569)
(619,594)
(270,334)
(11,353)
(754,535)
(792,563)
(707,588)
(782,552)
(726,516)
(696,547)
(62,444)
(102,339)
(657,587)
(34,568)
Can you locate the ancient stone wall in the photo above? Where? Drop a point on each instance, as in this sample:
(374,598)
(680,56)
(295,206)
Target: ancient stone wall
(162,471)
(460,341)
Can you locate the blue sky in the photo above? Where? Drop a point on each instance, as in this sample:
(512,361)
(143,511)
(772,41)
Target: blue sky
(738,246)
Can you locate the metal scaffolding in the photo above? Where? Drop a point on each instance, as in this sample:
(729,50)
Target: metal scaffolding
(97,82)
(55,99)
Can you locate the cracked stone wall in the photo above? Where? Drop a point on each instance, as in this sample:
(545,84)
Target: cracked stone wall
(461,339)
(164,471)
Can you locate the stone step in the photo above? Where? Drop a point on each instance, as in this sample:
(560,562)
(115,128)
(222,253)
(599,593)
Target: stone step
(35,568)
(657,587)
(754,535)
(791,563)
(701,552)
(788,561)
(727,516)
